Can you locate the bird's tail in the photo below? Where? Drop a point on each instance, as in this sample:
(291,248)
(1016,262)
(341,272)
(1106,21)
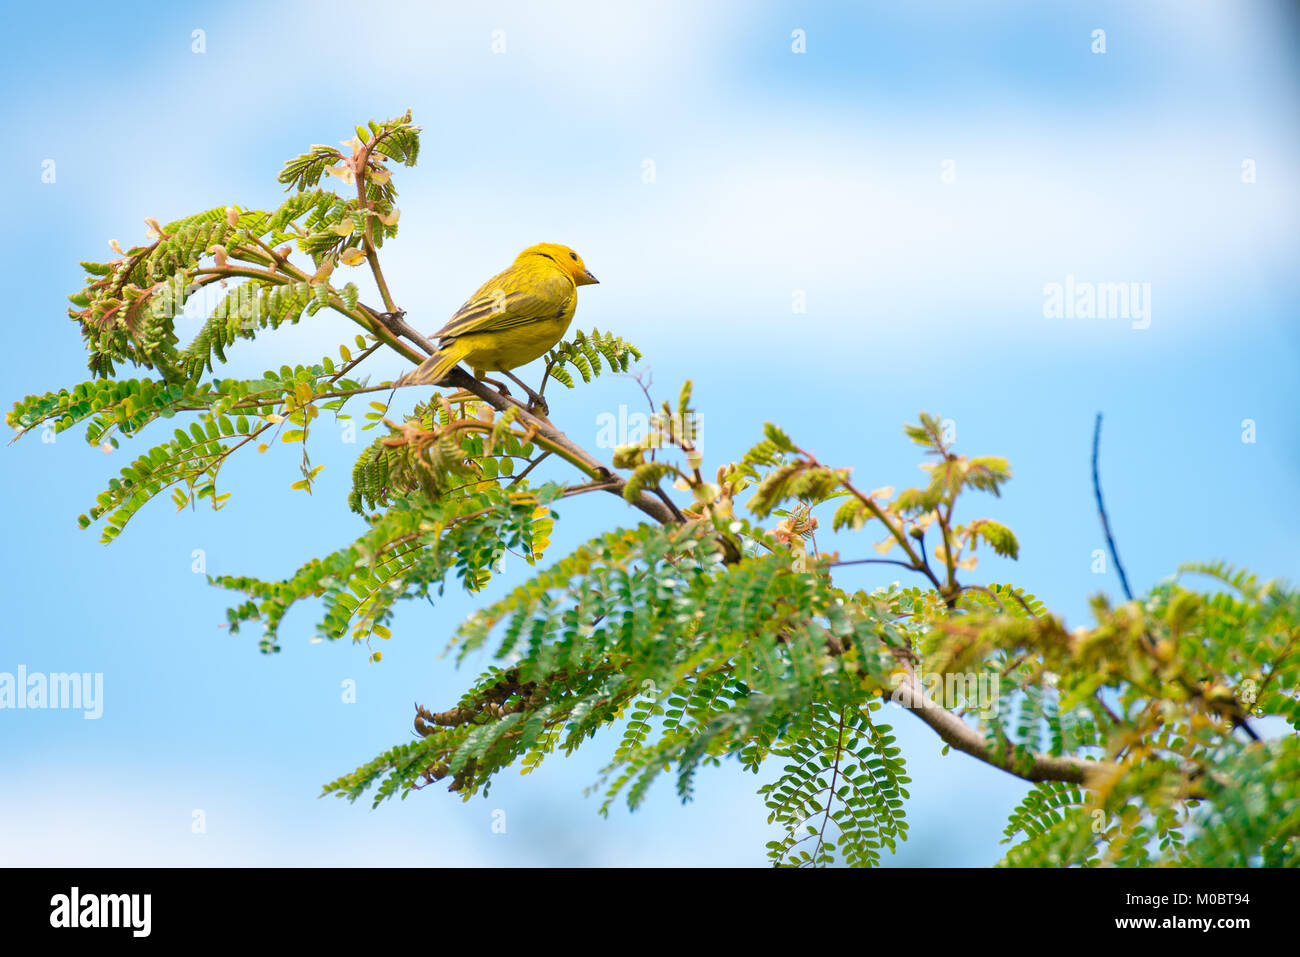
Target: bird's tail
(433,369)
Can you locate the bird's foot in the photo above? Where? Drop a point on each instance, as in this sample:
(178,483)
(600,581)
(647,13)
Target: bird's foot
(535,401)
(392,320)
(497,384)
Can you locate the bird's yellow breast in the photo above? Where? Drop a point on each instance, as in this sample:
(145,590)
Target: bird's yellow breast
(517,346)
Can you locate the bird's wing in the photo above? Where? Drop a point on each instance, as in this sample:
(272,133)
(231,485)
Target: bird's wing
(512,298)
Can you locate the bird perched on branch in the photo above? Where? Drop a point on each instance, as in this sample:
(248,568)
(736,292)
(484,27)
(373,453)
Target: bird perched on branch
(514,318)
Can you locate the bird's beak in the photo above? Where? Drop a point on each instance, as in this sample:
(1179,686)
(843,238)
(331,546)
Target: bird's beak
(588,279)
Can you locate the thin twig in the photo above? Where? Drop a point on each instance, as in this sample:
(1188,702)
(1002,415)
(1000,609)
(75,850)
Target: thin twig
(520,477)
(663,497)
(1101,508)
(875,561)
(608,485)
(1237,720)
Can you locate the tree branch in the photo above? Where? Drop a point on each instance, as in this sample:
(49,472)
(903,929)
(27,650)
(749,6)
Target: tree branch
(958,734)
(1101,509)
(552,439)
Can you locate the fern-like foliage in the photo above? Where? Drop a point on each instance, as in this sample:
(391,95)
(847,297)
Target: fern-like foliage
(654,625)
(584,353)
(701,651)
(230,414)
(409,551)
(128,307)
(843,786)
(1180,792)
(721,633)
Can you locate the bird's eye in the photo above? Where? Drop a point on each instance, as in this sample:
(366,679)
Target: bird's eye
(573,256)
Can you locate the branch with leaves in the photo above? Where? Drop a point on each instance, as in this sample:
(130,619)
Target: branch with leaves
(716,628)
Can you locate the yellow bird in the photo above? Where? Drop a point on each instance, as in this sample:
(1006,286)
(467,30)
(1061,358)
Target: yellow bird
(514,318)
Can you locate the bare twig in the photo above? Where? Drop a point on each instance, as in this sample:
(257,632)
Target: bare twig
(1238,720)
(874,561)
(532,465)
(1101,509)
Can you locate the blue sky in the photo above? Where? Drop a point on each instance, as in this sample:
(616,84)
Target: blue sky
(774,173)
